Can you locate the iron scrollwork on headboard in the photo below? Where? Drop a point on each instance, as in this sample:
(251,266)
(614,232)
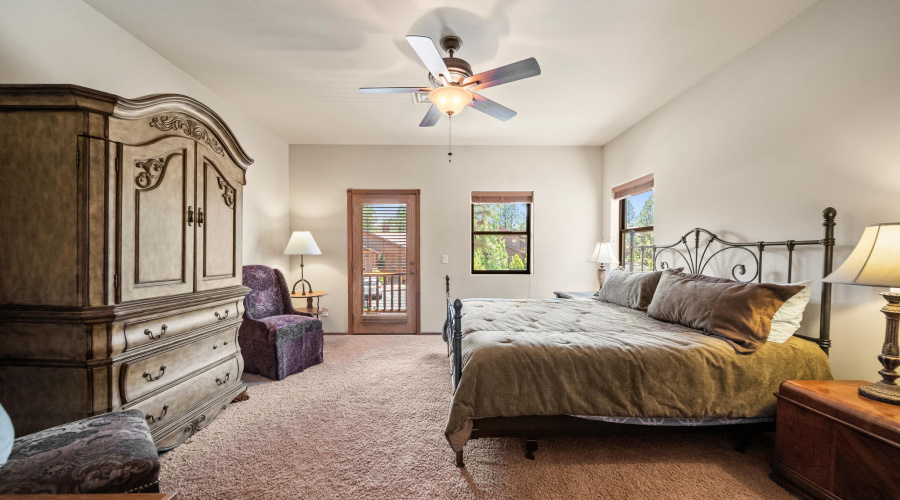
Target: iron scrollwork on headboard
(696,260)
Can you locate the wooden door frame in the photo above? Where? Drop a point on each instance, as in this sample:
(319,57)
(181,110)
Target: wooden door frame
(417,239)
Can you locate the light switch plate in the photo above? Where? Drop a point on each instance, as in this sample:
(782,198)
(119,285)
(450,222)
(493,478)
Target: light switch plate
(445,259)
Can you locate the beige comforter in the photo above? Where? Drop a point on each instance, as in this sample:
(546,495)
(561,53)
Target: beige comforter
(584,357)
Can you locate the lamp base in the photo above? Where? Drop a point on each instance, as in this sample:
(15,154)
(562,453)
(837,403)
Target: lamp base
(303,284)
(887,390)
(601,275)
(881,391)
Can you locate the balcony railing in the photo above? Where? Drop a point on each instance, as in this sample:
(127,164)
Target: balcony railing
(384,293)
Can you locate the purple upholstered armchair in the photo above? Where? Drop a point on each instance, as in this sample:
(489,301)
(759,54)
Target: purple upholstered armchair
(275,339)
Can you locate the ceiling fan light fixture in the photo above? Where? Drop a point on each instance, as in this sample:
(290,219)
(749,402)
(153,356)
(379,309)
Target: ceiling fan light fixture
(450,100)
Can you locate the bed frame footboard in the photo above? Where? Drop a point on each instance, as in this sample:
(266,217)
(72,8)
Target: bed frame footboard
(456,329)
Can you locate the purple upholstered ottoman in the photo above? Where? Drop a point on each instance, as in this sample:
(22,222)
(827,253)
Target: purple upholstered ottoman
(109,453)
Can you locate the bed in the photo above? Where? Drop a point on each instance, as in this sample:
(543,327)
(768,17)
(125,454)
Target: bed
(536,368)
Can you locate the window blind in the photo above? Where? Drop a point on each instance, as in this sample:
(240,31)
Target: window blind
(384,257)
(502,196)
(631,188)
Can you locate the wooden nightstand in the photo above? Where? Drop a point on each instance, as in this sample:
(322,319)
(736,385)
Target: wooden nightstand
(575,295)
(833,443)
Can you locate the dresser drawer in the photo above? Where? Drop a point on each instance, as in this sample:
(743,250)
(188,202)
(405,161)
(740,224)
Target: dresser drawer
(144,376)
(142,332)
(168,404)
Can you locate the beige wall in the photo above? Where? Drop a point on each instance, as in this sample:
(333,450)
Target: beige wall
(565,181)
(67,41)
(807,118)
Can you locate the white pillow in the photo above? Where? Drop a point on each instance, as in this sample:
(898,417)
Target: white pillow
(787,319)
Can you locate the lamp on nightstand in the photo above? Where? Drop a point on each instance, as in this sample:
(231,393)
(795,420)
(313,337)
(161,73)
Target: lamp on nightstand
(302,243)
(603,254)
(876,262)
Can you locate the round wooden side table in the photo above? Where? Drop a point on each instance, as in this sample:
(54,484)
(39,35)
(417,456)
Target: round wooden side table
(309,296)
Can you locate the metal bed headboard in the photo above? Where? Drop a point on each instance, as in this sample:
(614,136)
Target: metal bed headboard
(696,260)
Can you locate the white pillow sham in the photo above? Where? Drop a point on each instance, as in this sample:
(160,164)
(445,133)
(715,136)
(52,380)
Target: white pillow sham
(787,319)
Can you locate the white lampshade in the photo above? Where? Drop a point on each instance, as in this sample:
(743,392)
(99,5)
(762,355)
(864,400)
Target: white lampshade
(875,261)
(450,100)
(603,254)
(302,243)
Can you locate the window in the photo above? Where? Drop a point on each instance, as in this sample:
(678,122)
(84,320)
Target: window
(636,223)
(501,232)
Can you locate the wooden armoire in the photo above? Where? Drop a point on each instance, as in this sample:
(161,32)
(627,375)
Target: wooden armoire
(120,259)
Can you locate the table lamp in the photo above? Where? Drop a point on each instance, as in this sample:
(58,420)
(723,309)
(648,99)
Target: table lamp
(302,243)
(876,262)
(603,254)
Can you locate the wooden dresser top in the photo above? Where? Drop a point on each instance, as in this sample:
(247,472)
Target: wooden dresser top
(840,400)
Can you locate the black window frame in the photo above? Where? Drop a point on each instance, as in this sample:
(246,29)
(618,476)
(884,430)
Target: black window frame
(527,233)
(625,231)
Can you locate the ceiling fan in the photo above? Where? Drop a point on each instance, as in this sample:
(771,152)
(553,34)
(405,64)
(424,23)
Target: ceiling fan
(453,85)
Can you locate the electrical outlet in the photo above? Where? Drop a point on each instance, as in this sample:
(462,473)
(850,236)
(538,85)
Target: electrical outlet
(323,314)
(445,259)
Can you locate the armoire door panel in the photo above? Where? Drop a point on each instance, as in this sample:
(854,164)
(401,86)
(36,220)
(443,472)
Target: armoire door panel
(157,219)
(218,232)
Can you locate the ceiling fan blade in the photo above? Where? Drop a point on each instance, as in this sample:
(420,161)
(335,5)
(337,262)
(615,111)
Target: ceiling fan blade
(490,107)
(394,90)
(431,117)
(430,56)
(525,68)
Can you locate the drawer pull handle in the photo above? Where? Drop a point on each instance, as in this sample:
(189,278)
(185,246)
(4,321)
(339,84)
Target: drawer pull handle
(162,331)
(153,419)
(151,378)
(220,381)
(222,317)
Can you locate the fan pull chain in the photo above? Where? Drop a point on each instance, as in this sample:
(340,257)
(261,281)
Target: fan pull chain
(450,140)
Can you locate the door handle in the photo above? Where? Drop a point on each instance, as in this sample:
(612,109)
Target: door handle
(200,218)
(190,215)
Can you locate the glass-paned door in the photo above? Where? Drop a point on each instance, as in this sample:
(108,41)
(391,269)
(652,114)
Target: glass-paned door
(384,249)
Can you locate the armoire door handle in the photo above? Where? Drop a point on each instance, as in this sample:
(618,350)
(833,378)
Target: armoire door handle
(190,216)
(200,218)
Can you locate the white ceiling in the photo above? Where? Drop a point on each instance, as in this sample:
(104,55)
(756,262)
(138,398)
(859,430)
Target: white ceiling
(296,65)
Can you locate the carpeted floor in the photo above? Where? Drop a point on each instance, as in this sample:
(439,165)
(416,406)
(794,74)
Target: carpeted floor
(369,422)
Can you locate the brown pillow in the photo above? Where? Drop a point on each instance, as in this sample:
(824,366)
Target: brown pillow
(740,313)
(630,289)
